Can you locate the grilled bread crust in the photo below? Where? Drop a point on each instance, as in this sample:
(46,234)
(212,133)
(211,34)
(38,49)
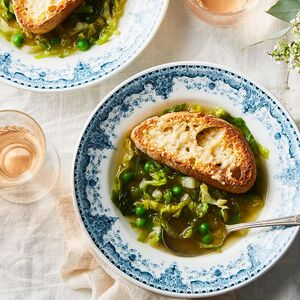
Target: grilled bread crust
(202,146)
(32,20)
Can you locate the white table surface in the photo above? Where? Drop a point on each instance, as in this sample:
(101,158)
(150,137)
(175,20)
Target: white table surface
(32,247)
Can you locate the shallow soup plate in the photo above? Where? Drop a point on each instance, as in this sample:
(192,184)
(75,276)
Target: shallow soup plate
(100,150)
(137,26)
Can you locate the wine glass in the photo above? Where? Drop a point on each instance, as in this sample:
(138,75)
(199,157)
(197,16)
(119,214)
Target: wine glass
(29,167)
(221,12)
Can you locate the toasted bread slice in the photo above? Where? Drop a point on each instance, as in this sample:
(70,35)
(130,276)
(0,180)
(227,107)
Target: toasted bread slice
(42,16)
(202,146)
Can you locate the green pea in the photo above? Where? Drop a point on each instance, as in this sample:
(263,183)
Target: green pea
(177,190)
(127,176)
(203,228)
(149,165)
(83,44)
(140,211)
(207,239)
(140,222)
(18,39)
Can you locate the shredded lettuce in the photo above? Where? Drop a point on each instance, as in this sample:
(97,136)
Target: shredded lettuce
(154,235)
(120,196)
(224,215)
(175,108)
(112,20)
(124,164)
(188,232)
(4,11)
(168,196)
(157,194)
(158,178)
(169,209)
(265,152)
(194,108)
(205,197)
(128,154)
(199,209)
(5,30)
(184,106)
(143,236)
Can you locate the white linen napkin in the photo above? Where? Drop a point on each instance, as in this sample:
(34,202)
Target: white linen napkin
(84,269)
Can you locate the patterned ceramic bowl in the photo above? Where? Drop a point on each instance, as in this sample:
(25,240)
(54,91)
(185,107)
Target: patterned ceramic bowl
(98,152)
(138,25)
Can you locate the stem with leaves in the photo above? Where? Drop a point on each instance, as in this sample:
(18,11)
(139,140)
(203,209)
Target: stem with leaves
(286,50)
(289,51)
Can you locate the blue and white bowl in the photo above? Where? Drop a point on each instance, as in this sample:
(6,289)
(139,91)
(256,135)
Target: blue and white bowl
(138,25)
(99,151)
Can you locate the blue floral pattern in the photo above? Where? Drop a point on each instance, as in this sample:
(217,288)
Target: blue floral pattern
(42,74)
(95,161)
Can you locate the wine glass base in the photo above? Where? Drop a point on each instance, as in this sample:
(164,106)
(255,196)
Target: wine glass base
(39,185)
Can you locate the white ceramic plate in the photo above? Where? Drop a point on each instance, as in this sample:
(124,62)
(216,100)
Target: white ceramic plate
(98,155)
(138,25)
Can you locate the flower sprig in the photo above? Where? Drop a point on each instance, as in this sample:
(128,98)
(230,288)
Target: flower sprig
(289,51)
(287,48)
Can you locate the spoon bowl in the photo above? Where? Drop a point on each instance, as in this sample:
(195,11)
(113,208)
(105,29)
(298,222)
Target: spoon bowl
(184,247)
(189,247)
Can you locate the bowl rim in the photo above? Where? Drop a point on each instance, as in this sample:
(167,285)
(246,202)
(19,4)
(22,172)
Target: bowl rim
(105,77)
(97,251)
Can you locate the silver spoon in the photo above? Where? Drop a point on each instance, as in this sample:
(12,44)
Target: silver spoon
(191,247)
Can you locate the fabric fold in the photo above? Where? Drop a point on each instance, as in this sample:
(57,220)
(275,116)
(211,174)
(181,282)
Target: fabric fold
(84,269)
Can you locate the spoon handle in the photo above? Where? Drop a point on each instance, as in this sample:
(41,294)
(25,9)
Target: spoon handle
(287,221)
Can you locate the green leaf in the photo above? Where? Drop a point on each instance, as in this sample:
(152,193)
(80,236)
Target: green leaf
(207,198)
(194,108)
(285,10)
(175,108)
(169,209)
(154,236)
(159,178)
(129,153)
(263,151)
(188,232)
(143,236)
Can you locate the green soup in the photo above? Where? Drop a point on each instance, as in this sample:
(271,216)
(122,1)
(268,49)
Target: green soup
(155,197)
(93,22)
